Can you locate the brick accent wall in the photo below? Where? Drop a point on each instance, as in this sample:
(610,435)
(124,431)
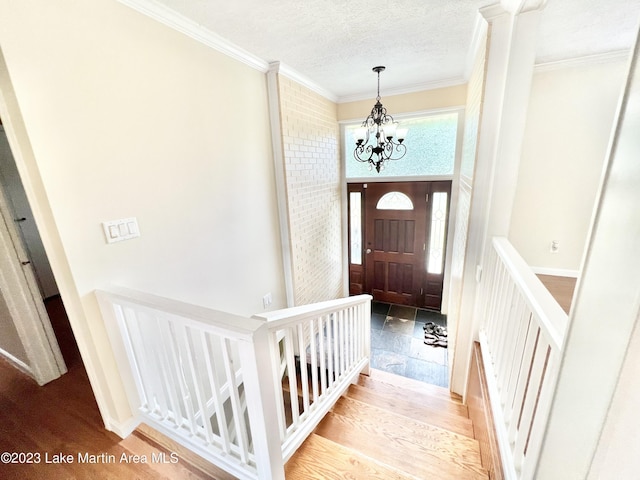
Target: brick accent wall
(310,139)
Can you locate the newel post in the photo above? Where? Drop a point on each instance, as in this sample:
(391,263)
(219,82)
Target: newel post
(261,405)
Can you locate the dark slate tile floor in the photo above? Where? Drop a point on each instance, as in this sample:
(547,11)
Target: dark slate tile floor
(397,343)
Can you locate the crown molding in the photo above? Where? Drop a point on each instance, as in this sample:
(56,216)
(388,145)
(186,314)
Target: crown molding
(292,74)
(418,87)
(182,24)
(600,58)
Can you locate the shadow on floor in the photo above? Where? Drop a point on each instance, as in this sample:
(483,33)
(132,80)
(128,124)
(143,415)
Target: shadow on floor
(397,343)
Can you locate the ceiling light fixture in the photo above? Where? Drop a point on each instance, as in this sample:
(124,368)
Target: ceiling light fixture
(383,128)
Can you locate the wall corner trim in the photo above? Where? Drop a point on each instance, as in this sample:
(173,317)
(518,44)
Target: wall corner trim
(122,429)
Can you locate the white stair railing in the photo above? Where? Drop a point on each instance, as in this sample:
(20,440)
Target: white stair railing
(321,350)
(522,333)
(213,381)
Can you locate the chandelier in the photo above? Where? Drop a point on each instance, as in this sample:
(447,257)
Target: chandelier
(387,144)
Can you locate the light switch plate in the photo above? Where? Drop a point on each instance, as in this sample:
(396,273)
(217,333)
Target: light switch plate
(119,230)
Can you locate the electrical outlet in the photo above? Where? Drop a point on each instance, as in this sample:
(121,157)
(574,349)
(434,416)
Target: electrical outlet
(267,300)
(555,246)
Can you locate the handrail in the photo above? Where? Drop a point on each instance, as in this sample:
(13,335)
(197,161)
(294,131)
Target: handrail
(215,382)
(287,316)
(552,318)
(215,320)
(522,335)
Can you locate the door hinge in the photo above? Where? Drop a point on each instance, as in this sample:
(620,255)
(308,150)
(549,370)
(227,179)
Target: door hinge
(421,291)
(426,197)
(424,247)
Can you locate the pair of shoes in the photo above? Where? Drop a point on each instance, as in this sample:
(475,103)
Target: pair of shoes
(429,328)
(432,328)
(434,340)
(435,335)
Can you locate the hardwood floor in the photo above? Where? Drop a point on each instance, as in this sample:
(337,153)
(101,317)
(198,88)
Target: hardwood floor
(60,421)
(562,289)
(389,427)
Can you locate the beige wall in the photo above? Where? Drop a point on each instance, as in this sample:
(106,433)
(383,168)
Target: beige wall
(569,122)
(126,117)
(313,183)
(406,103)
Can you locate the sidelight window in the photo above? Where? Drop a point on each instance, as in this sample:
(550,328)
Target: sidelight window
(355,225)
(435,263)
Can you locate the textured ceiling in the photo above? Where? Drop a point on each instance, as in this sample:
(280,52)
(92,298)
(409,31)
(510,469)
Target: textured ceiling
(335,43)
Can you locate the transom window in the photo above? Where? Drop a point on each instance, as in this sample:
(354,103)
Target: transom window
(431,149)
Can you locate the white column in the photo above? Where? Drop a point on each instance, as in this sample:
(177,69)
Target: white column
(509,70)
(605,314)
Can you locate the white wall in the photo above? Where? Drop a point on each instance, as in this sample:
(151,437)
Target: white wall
(126,117)
(569,122)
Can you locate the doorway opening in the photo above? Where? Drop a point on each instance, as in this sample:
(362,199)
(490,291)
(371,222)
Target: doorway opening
(27,251)
(397,234)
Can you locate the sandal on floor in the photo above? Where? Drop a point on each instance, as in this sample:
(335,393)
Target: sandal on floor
(429,328)
(430,339)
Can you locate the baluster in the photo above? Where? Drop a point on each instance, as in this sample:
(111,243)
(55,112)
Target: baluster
(330,356)
(136,347)
(212,376)
(523,383)
(175,360)
(336,345)
(538,426)
(186,336)
(291,373)
(324,368)
(366,335)
(304,379)
(530,404)
(276,362)
(314,359)
(510,327)
(515,364)
(343,341)
(234,397)
(163,364)
(352,355)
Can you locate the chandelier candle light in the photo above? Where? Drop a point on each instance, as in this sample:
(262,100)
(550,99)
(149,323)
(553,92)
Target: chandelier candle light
(385,146)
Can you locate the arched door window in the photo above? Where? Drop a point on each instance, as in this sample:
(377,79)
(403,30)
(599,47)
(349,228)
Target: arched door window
(394,201)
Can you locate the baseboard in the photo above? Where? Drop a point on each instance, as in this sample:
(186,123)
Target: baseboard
(556,272)
(187,456)
(480,412)
(123,429)
(19,364)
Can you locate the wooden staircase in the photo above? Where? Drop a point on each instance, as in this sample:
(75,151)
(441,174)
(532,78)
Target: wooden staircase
(389,427)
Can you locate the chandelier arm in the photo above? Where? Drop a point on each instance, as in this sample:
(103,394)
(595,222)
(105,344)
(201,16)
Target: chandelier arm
(363,153)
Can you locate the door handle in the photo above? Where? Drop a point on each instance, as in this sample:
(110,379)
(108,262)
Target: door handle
(368,250)
(20,219)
